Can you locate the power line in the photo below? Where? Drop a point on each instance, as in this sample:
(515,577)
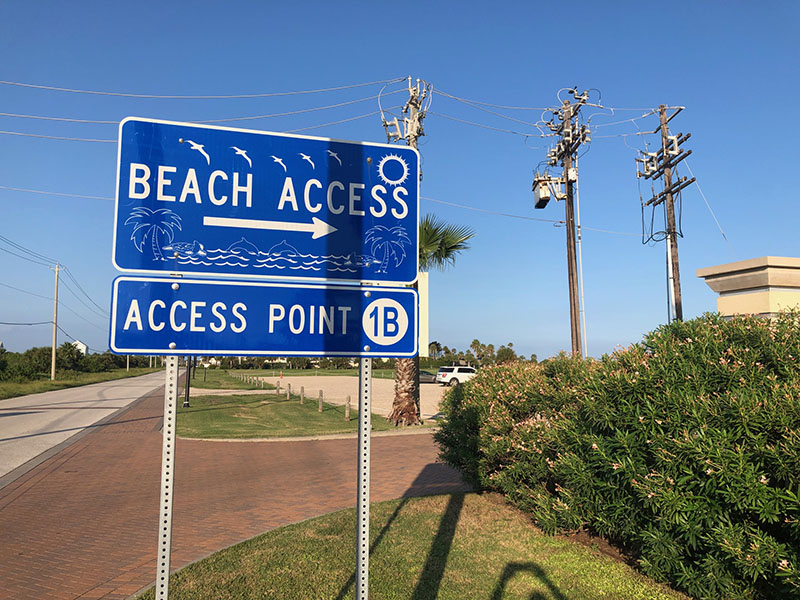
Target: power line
(15,189)
(467,101)
(204,97)
(585,228)
(61,303)
(522,133)
(35,323)
(82,301)
(75,281)
(225,120)
(491,112)
(505,107)
(44,264)
(25,291)
(64,268)
(74,139)
(370,114)
(491,212)
(27,250)
(699,189)
(631,120)
(57,137)
(64,119)
(74,339)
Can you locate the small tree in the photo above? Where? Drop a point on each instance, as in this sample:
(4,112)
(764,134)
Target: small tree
(439,244)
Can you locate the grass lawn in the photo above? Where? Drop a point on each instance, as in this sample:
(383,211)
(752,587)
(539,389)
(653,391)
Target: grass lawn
(11,390)
(219,379)
(454,547)
(265,415)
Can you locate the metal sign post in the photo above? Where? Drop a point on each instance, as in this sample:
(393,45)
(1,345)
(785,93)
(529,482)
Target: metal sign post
(167,477)
(362,510)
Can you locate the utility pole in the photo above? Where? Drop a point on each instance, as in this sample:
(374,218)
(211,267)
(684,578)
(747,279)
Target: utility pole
(660,164)
(410,132)
(411,129)
(571,136)
(55,329)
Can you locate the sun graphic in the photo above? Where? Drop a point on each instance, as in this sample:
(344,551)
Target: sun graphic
(382,172)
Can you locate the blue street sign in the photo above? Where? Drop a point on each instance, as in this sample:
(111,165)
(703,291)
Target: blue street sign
(191,317)
(194,199)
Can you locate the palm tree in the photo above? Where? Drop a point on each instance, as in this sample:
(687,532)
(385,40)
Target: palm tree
(439,243)
(389,243)
(150,225)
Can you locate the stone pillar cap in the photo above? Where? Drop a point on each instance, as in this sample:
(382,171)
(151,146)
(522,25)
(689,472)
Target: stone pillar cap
(754,273)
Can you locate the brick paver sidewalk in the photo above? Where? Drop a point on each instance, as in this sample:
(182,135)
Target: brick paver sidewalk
(83,523)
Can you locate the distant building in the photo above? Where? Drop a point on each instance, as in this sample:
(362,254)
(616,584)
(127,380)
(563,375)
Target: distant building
(81,346)
(761,286)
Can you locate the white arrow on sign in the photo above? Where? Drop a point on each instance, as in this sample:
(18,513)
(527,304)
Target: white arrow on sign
(317,227)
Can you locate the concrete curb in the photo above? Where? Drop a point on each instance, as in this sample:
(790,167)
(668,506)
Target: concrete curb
(332,436)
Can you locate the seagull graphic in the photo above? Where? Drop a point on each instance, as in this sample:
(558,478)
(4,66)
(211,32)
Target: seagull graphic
(199,148)
(243,153)
(336,156)
(279,161)
(308,158)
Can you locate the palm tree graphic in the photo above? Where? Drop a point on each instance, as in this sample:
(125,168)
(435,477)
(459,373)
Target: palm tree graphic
(388,241)
(150,225)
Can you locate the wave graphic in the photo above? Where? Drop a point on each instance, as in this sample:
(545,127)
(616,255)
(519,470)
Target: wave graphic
(284,261)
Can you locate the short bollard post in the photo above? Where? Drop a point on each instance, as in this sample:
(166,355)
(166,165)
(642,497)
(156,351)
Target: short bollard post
(288,393)
(347,410)
(277,387)
(289,388)
(319,406)
(262,384)
(302,394)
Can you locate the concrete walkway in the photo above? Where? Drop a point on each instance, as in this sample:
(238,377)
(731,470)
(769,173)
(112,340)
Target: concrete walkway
(33,424)
(83,524)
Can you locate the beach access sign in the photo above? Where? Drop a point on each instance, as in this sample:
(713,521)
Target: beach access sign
(195,199)
(200,317)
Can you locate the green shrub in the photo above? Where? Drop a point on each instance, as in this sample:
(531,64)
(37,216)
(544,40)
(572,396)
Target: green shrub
(683,449)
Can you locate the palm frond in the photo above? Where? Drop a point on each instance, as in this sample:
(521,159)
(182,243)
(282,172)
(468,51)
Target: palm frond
(440,242)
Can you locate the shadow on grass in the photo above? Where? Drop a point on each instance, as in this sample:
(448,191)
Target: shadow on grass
(433,571)
(513,568)
(435,563)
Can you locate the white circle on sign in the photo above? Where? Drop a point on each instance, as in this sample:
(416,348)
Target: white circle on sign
(385,321)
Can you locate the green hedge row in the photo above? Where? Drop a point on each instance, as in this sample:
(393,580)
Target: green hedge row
(683,449)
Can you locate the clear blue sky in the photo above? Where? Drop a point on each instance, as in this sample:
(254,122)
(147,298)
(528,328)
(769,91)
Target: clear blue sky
(733,65)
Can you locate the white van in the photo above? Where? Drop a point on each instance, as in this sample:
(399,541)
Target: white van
(454,375)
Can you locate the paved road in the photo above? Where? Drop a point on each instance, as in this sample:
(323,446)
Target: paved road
(83,524)
(31,425)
